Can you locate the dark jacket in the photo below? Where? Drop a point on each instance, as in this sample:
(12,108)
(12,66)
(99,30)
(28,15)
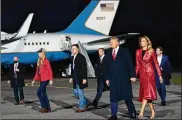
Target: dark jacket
(166,70)
(99,72)
(80,71)
(119,72)
(20,75)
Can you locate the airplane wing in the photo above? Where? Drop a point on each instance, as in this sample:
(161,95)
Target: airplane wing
(22,32)
(3,33)
(7,41)
(2,48)
(121,37)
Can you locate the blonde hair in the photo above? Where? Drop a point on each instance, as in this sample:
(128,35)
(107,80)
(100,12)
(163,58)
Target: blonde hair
(40,61)
(149,46)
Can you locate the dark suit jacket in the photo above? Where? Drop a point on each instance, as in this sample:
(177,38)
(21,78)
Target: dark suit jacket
(166,70)
(99,68)
(119,72)
(20,75)
(99,72)
(80,70)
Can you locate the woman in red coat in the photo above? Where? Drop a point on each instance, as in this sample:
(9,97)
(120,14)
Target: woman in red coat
(145,62)
(45,76)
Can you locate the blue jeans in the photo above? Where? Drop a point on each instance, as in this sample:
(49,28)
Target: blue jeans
(161,88)
(42,95)
(79,93)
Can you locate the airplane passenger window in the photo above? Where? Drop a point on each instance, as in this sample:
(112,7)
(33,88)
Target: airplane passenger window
(25,43)
(43,43)
(47,43)
(32,43)
(36,43)
(40,43)
(28,43)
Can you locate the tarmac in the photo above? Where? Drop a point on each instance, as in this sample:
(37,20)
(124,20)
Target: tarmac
(63,103)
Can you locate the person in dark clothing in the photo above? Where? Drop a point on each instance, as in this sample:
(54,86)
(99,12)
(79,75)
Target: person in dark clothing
(79,77)
(119,72)
(99,72)
(16,77)
(166,69)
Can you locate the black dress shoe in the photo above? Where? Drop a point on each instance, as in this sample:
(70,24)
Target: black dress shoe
(113,117)
(163,103)
(133,116)
(95,104)
(16,103)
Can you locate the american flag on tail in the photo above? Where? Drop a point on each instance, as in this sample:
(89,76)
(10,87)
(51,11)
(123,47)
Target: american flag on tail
(107,7)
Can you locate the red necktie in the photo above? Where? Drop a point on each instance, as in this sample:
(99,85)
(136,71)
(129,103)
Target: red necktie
(114,55)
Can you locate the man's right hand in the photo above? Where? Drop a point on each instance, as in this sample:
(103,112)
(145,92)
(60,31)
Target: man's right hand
(71,80)
(133,79)
(107,82)
(8,82)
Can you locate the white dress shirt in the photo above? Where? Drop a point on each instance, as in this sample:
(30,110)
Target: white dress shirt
(74,60)
(116,50)
(159,59)
(15,69)
(15,66)
(101,58)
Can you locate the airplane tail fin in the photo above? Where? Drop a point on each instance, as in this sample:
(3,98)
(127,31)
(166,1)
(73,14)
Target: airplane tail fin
(96,18)
(25,27)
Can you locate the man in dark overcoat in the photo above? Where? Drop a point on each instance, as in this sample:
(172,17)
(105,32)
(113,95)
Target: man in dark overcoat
(79,77)
(119,72)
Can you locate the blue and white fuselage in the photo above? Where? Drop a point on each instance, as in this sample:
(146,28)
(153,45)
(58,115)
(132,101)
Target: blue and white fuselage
(91,28)
(54,44)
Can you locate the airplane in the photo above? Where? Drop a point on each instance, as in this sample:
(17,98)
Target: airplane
(21,34)
(91,28)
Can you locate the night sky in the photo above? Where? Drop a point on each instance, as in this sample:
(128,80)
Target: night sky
(157,19)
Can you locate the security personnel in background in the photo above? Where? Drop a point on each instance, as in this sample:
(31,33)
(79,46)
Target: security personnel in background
(99,72)
(16,77)
(166,69)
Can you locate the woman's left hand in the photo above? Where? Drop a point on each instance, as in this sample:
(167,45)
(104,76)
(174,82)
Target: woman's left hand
(51,82)
(161,79)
